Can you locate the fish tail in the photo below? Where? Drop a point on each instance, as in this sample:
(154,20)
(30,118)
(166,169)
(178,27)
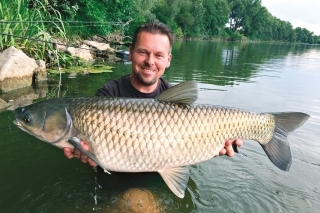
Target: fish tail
(278,149)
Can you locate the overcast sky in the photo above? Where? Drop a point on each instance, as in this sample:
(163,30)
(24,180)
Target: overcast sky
(300,13)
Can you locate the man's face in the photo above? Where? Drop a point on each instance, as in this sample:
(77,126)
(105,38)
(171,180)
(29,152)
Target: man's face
(150,56)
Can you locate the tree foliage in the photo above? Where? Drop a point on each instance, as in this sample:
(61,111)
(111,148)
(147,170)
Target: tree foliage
(226,19)
(254,21)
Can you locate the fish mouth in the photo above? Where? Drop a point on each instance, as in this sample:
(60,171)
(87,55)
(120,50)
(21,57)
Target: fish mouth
(16,122)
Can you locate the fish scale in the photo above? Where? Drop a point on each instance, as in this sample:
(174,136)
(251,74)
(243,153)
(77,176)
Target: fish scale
(163,135)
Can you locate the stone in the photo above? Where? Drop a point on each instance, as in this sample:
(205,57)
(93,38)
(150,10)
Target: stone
(40,73)
(3,105)
(136,200)
(84,52)
(97,45)
(16,69)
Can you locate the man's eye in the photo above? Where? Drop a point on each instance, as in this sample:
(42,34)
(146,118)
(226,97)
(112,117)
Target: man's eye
(27,118)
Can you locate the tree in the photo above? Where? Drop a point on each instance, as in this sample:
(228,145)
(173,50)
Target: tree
(216,16)
(184,18)
(237,10)
(197,29)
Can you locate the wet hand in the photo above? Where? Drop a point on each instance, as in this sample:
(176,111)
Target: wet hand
(69,153)
(228,149)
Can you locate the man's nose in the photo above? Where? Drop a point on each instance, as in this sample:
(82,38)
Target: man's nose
(150,59)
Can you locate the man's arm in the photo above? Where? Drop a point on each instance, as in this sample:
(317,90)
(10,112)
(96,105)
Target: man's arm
(227,150)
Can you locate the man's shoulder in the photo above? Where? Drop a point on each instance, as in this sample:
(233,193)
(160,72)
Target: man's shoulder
(164,83)
(114,87)
(122,80)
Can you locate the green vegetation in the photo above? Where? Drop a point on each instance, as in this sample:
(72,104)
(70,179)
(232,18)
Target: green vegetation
(23,22)
(25,27)
(84,70)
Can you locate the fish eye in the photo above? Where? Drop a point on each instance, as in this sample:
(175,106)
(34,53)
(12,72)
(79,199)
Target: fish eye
(27,118)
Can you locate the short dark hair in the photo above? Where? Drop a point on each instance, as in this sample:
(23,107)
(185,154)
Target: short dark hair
(154,27)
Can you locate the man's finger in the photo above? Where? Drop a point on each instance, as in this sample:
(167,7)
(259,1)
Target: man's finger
(229,148)
(68,152)
(76,153)
(84,158)
(222,152)
(238,142)
(91,162)
(85,146)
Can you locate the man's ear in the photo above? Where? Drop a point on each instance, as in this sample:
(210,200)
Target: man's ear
(169,60)
(130,53)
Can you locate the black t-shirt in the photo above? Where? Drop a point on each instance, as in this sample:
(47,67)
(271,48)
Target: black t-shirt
(122,87)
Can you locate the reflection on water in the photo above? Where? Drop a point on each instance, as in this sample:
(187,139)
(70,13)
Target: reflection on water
(261,77)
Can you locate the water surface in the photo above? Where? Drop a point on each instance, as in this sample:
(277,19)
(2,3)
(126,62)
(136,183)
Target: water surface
(261,77)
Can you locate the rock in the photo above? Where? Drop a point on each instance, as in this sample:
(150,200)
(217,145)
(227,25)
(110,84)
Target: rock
(61,48)
(40,73)
(136,200)
(16,69)
(84,52)
(41,66)
(101,51)
(97,45)
(3,105)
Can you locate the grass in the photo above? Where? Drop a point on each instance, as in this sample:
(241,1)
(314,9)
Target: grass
(27,27)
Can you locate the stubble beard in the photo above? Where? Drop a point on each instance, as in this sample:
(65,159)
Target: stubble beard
(144,82)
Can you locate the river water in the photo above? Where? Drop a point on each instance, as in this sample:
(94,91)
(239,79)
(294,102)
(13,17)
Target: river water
(260,77)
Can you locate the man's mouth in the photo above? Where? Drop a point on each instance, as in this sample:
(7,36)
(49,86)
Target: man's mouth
(147,70)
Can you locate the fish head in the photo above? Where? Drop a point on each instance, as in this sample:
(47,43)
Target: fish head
(47,120)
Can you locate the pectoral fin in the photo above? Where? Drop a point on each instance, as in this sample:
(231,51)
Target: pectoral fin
(76,142)
(176,179)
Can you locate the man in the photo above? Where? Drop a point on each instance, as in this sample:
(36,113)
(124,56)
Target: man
(150,54)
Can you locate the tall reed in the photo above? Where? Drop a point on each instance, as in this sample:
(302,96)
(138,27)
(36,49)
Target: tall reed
(27,24)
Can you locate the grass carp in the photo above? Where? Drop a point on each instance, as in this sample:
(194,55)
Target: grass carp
(161,135)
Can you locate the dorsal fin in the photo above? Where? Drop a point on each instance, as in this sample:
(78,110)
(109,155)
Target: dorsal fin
(183,93)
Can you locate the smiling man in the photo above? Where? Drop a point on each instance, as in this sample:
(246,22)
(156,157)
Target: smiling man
(150,54)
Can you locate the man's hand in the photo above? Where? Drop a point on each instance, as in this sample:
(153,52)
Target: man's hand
(227,150)
(69,153)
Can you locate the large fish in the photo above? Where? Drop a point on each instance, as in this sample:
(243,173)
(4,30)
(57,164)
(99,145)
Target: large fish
(164,134)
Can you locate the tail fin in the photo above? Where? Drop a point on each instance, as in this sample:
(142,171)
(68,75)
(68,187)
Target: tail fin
(277,149)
